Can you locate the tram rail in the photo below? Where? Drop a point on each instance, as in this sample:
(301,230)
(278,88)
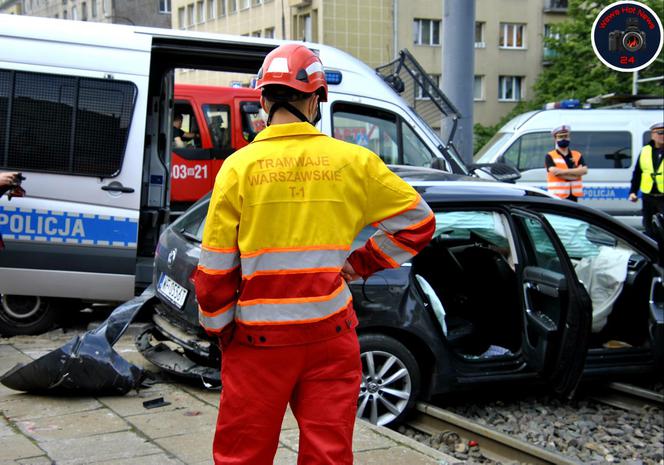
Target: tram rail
(493,444)
(629,397)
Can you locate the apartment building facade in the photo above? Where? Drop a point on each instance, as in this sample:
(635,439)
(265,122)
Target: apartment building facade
(155,13)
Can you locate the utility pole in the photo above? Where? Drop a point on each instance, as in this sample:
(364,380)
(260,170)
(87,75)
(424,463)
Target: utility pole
(459,68)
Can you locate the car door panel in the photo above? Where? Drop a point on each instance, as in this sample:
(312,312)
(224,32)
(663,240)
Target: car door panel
(557,310)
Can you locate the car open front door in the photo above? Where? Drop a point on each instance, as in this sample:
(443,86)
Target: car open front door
(557,311)
(656,307)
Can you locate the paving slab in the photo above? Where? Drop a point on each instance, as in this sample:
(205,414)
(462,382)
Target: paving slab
(176,422)
(158,459)
(93,449)
(19,406)
(132,402)
(190,447)
(16,446)
(75,425)
(43,460)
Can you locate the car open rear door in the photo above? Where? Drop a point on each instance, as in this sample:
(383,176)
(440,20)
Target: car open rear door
(557,311)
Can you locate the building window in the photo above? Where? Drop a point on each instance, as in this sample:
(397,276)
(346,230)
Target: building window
(181,17)
(269,33)
(164,6)
(426,32)
(256,34)
(84,11)
(232,6)
(512,35)
(479,34)
(258,2)
(190,14)
(510,88)
(64,2)
(200,12)
(93,8)
(478,88)
(74,13)
(212,9)
(421,94)
(244,4)
(64,14)
(222,7)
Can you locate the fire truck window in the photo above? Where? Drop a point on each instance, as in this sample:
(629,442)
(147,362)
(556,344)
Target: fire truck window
(252,120)
(218,121)
(188,127)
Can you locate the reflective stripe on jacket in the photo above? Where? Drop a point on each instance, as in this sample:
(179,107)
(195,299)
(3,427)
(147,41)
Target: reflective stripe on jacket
(648,171)
(559,186)
(282,217)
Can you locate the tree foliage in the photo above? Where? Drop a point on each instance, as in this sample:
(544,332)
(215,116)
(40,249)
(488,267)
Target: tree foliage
(574,71)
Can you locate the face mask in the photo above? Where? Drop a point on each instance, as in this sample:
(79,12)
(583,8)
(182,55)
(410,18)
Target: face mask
(318,116)
(563,144)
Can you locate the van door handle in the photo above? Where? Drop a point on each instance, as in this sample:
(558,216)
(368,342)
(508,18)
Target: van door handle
(117,187)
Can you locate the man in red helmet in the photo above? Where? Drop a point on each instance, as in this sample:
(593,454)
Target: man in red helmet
(271,280)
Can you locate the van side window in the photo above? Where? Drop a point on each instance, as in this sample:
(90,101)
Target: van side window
(382,132)
(218,121)
(527,152)
(600,149)
(64,124)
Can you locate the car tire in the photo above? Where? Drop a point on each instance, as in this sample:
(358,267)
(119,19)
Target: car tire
(25,315)
(390,380)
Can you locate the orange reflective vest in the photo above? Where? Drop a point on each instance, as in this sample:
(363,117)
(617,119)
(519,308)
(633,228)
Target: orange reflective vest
(562,187)
(282,217)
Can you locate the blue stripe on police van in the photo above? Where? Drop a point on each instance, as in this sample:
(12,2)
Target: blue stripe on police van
(26,224)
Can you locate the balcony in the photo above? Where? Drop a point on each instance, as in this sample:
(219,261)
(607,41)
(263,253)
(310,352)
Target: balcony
(555,6)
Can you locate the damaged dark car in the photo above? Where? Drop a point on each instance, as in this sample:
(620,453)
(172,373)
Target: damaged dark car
(515,287)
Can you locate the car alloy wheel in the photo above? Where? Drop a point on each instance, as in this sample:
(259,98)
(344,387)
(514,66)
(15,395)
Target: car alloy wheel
(390,380)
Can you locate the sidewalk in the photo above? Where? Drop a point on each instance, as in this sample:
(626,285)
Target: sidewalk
(38,430)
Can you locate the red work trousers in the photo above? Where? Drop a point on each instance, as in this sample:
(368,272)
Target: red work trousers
(320,380)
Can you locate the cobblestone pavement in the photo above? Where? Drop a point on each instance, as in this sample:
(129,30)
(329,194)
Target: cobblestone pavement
(41,430)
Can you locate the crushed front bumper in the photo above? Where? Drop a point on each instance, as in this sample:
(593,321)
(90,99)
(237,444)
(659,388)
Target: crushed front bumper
(180,353)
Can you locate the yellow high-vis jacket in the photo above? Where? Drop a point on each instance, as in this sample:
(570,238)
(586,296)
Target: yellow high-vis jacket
(283,214)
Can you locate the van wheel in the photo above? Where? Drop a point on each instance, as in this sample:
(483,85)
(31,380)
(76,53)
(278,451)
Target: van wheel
(390,380)
(23,314)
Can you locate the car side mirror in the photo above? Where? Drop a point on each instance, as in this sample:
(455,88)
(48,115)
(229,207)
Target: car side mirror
(438,164)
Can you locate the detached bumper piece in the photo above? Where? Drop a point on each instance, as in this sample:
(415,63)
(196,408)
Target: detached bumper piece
(86,364)
(184,361)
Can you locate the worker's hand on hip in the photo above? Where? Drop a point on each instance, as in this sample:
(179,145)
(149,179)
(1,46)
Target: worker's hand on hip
(633,197)
(348,272)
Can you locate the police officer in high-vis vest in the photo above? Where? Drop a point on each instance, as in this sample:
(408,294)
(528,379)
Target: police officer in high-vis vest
(275,261)
(648,177)
(564,167)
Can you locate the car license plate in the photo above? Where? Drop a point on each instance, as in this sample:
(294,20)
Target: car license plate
(175,293)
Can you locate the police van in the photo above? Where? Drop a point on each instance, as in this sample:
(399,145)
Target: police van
(610,141)
(86,114)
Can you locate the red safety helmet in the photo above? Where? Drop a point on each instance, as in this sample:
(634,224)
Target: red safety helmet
(294,66)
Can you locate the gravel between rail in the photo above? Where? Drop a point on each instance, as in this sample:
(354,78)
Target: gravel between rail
(583,429)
